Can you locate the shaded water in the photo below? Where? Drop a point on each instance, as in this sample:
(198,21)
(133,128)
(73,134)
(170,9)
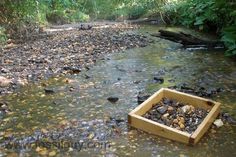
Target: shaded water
(123,75)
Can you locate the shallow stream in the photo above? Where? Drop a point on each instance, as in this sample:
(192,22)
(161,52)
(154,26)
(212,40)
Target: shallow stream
(123,75)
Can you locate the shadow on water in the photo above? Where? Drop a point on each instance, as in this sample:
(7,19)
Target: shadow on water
(124,75)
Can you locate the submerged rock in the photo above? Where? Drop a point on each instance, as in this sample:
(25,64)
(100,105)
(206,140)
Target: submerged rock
(142,96)
(197,90)
(113,99)
(87,77)
(159,80)
(73,70)
(226,117)
(49,91)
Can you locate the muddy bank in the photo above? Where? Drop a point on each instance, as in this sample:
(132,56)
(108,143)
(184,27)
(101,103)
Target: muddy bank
(63,52)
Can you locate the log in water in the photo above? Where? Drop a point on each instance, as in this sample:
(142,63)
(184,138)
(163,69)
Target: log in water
(188,40)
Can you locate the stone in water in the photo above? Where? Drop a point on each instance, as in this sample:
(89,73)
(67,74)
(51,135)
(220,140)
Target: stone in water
(218,123)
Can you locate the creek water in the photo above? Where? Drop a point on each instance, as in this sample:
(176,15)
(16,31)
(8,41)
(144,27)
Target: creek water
(123,75)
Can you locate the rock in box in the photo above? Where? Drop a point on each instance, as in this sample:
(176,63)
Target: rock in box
(142,117)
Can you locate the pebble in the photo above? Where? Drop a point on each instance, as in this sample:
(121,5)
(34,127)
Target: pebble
(5,82)
(213,131)
(62,53)
(181,126)
(21,82)
(175,121)
(113,99)
(162,109)
(159,80)
(218,123)
(170,108)
(182,120)
(70,149)
(197,90)
(73,70)
(4,70)
(185,108)
(142,96)
(166,115)
(49,91)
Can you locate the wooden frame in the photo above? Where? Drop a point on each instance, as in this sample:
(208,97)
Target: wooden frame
(136,120)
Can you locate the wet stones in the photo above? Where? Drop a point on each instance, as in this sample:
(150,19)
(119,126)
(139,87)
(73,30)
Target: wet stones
(113,99)
(159,80)
(65,52)
(76,130)
(197,90)
(20,82)
(170,109)
(85,27)
(142,96)
(87,77)
(4,70)
(187,109)
(177,115)
(49,91)
(73,70)
(227,118)
(162,109)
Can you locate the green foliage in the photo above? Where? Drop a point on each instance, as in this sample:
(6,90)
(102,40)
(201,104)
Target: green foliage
(77,16)
(21,17)
(115,9)
(136,12)
(229,38)
(74,10)
(206,15)
(56,17)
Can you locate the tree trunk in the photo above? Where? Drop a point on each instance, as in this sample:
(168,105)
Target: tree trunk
(188,40)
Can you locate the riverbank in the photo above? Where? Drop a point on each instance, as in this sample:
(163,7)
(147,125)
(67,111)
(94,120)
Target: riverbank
(64,50)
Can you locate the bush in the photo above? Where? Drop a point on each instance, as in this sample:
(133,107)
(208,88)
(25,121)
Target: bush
(218,16)
(77,16)
(56,17)
(229,38)
(66,16)
(136,11)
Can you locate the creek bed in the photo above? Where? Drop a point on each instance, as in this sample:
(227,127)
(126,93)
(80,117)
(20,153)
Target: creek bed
(79,109)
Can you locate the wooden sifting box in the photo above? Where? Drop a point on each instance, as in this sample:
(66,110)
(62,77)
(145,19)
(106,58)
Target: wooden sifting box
(136,120)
